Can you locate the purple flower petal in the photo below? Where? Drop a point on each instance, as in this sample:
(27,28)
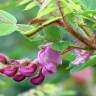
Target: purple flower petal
(82,56)
(53,56)
(77,52)
(78,61)
(49,55)
(41,55)
(49,69)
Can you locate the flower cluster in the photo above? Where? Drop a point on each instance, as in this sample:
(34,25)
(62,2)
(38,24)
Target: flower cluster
(45,64)
(18,70)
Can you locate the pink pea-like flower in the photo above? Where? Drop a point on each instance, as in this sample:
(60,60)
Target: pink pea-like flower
(49,55)
(49,59)
(81,56)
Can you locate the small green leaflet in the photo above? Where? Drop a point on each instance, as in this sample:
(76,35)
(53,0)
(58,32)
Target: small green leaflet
(24,2)
(61,45)
(7,18)
(51,35)
(7,23)
(6,29)
(88,4)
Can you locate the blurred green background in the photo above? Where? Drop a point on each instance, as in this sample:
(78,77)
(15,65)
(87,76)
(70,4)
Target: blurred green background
(17,46)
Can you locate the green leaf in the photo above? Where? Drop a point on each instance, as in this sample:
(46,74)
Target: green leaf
(49,9)
(69,56)
(23,27)
(45,4)
(37,38)
(52,33)
(30,5)
(88,4)
(24,2)
(60,46)
(6,29)
(7,18)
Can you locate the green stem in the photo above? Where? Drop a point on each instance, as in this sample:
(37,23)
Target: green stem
(37,29)
(86,30)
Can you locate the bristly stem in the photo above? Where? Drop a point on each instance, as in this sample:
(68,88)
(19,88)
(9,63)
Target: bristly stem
(70,29)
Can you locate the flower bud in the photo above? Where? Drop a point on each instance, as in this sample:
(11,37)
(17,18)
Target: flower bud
(9,71)
(28,70)
(38,79)
(18,77)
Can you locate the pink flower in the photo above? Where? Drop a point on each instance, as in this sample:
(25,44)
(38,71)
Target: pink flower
(83,75)
(49,59)
(82,56)
(49,55)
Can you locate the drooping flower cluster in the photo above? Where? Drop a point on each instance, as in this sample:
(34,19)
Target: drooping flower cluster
(18,70)
(37,70)
(45,64)
(48,59)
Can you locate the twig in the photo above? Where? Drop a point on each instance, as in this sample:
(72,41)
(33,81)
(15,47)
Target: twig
(70,29)
(45,24)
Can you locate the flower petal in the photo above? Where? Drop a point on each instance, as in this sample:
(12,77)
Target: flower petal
(49,69)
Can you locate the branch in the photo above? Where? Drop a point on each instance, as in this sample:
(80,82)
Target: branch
(45,24)
(42,20)
(70,29)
